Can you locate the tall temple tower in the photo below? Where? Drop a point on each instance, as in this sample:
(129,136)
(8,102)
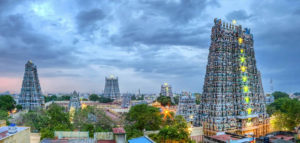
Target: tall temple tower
(31,94)
(233,99)
(187,107)
(74,103)
(166,90)
(111,89)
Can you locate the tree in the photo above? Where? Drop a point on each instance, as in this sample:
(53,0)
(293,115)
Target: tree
(133,97)
(7,103)
(279,94)
(105,100)
(3,115)
(142,117)
(19,107)
(176,131)
(286,114)
(50,98)
(164,100)
(93,97)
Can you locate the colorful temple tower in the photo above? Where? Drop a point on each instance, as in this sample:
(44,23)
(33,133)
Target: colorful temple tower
(74,103)
(111,89)
(233,99)
(187,107)
(166,90)
(31,97)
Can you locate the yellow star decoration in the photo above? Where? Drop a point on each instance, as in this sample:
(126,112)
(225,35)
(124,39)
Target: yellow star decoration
(242,50)
(247,99)
(244,78)
(243,68)
(249,119)
(243,59)
(249,111)
(233,21)
(246,88)
(240,40)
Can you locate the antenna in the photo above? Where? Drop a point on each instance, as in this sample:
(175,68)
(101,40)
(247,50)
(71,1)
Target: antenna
(271,86)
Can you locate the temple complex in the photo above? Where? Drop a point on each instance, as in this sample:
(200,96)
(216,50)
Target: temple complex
(74,103)
(233,99)
(31,97)
(166,90)
(187,107)
(111,89)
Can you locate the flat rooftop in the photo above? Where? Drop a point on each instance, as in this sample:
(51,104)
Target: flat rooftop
(4,131)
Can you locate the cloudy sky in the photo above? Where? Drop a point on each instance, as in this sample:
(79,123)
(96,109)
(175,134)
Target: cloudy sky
(76,43)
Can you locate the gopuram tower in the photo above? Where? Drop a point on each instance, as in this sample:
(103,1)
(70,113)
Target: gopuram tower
(233,99)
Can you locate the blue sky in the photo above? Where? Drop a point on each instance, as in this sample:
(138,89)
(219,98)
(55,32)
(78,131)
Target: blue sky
(76,43)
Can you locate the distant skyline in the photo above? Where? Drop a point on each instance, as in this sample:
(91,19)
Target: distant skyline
(76,43)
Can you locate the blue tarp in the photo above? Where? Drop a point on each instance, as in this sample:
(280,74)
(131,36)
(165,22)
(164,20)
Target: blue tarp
(140,140)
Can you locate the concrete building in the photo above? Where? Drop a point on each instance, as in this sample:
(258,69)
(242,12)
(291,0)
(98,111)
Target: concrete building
(31,96)
(126,99)
(187,107)
(233,98)
(227,138)
(111,89)
(14,134)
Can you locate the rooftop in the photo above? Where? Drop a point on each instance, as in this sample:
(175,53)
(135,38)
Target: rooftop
(142,139)
(118,131)
(4,131)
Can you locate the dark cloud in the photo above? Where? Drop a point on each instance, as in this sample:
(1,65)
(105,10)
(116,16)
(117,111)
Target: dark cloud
(238,15)
(86,20)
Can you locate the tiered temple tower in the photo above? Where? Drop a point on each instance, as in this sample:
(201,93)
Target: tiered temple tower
(31,94)
(111,89)
(74,102)
(233,99)
(187,107)
(166,90)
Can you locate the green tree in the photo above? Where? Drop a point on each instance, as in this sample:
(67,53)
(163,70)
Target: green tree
(105,100)
(279,94)
(142,117)
(164,100)
(176,131)
(286,114)
(133,97)
(19,107)
(93,97)
(3,115)
(7,103)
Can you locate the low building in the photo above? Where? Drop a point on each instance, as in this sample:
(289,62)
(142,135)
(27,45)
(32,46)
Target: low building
(197,134)
(227,138)
(143,139)
(14,134)
(278,137)
(2,123)
(119,135)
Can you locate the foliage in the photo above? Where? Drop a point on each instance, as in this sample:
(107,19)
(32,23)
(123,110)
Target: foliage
(103,99)
(286,114)
(175,131)
(93,97)
(142,117)
(19,107)
(141,98)
(133,97)
(164,100)
(279,94)
(3,115)
(7,103)
(93,120)
(47,121)
(176,99)
(55,98)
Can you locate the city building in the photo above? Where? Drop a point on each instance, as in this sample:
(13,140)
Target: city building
(111,89)
(166,90)
(269,99)
(233,99)
(278,137)
(31,96)
(126,98)
(225,137)
(295,96)
(74,102)
(187,107)
(14,134)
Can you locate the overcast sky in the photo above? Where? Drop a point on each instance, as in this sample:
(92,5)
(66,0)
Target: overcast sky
(76,43)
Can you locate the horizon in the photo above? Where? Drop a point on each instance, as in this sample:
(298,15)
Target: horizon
(76,44)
